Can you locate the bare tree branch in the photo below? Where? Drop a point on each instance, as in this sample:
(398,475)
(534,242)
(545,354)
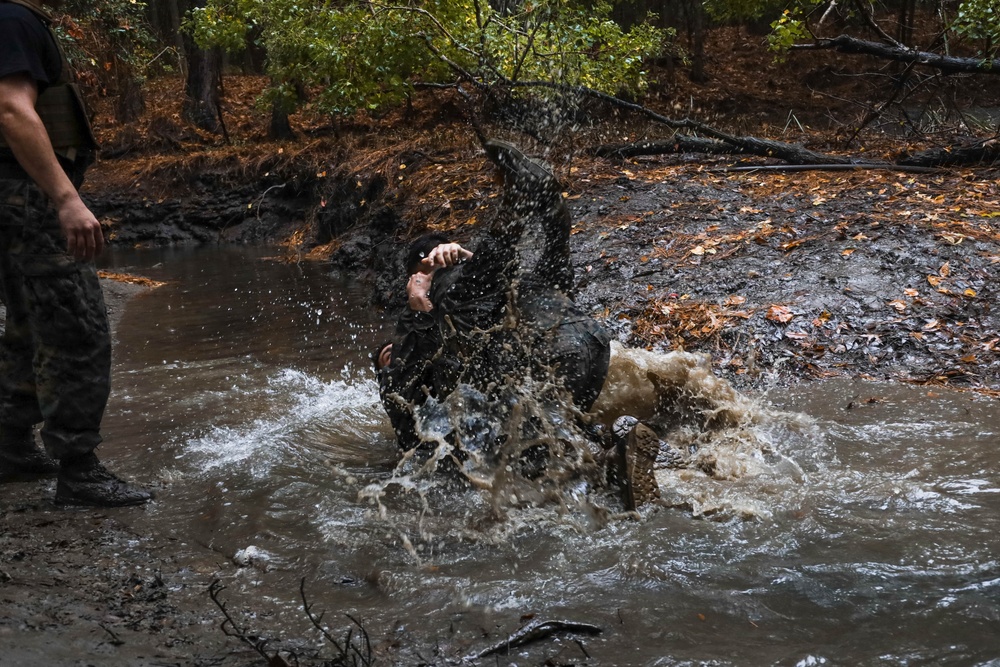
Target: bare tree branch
(947,64)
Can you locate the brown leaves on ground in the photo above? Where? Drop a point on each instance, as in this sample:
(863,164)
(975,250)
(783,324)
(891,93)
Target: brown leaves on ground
(682,321)
(128,278)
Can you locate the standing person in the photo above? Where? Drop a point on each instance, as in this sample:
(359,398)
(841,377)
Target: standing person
(55,353)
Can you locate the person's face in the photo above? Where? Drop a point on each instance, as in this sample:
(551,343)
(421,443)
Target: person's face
(385,356)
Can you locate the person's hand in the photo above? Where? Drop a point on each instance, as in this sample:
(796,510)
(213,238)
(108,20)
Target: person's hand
(444,255)
(418,292)
(84,237)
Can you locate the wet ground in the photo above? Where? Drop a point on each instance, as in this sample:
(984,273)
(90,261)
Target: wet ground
(783,279)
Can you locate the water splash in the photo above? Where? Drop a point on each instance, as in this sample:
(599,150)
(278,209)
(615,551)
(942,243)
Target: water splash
(304,415)
(525,448)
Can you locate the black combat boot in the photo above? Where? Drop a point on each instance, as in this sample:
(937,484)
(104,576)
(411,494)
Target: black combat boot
(84,481)
(532,193)
(20,457)
(522,174)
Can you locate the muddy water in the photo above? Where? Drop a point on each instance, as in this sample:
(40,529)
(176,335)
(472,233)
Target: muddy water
(846,523)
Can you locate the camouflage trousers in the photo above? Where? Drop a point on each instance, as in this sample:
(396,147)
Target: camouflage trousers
(55,352)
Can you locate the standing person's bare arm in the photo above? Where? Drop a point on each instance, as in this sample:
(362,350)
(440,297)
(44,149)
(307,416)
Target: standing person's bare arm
(25,134)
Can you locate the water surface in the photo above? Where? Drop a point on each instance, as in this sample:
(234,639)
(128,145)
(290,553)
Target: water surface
(869,533)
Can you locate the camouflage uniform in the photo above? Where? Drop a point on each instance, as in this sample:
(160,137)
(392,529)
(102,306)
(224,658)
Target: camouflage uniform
(469,337)
(55,353)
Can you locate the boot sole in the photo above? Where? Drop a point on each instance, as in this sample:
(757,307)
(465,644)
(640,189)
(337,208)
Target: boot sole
(640,455)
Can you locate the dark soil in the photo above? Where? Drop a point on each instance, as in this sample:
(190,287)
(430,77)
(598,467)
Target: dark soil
(780,277)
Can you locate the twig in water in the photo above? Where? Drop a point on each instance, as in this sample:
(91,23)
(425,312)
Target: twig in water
(231,629)
(538,630)
(348,647)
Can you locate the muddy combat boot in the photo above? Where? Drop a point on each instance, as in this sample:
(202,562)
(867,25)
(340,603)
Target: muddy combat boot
(20,457)
(522,173)
(84,481)
(636,455)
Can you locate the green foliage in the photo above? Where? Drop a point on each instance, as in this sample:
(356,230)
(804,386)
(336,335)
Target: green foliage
(975,20)
(112,36)
(788,30)
(368,55)
(979,20)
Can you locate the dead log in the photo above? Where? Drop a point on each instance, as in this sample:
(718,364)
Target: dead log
(858,166)
(982,153)
(741,145)
(681,143)
(899,53)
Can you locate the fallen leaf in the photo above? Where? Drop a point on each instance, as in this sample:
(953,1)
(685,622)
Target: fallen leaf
(898,304)
(934,280)
(734,300)
(909,291)
(847,252)
(779,314)
(945,270)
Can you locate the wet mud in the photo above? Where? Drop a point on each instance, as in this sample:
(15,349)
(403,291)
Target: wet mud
(788,277)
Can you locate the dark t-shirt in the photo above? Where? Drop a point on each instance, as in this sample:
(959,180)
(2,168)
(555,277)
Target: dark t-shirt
(26,46)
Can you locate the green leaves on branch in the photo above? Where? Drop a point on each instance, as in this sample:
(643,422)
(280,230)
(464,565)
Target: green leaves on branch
(112,34)
(360,54)
(788,30)
(797,21)
(980,20)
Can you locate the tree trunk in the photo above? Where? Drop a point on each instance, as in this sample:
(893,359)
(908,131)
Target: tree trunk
(280,128)
(695,11)
(131,100)
(202,88)
(907,15)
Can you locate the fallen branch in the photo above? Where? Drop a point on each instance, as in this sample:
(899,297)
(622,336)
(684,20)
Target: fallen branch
(947,64)
(871,166)
(535,631)
(743,145)
(983,152)
(736,146)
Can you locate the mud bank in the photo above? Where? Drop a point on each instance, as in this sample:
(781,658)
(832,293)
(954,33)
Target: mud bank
(779,276)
